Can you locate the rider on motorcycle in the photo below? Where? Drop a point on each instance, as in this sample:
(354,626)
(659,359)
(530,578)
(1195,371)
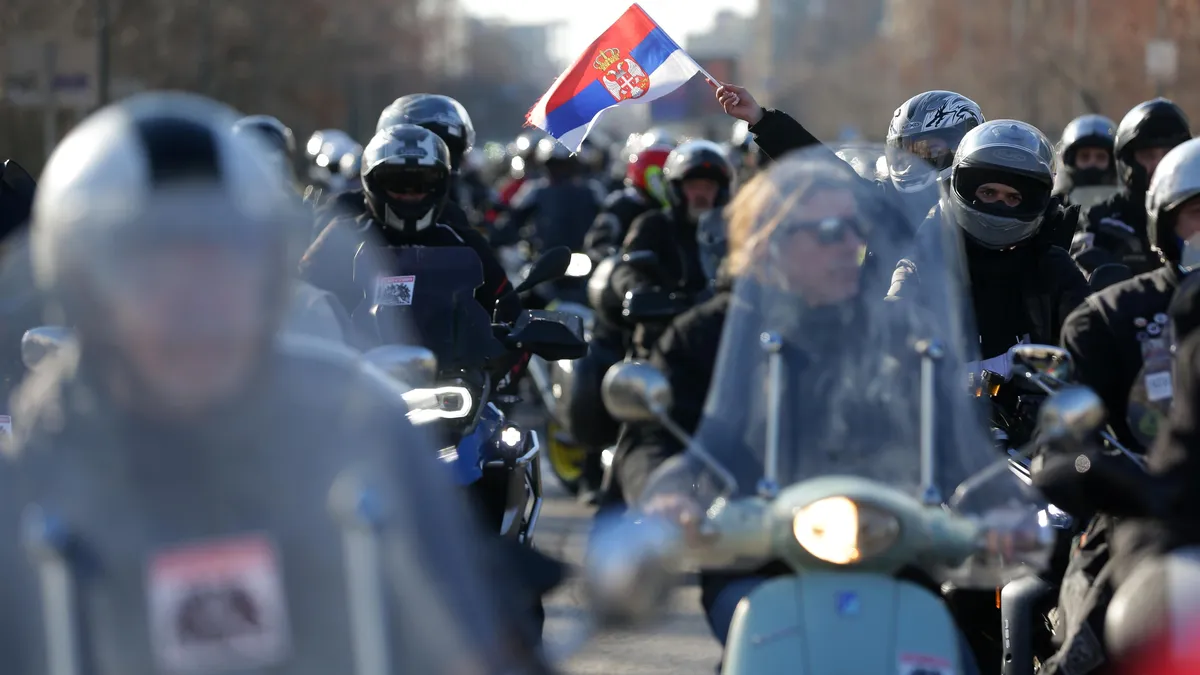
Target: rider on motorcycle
(644,191)
(699,179)
(448,119)
(1086,156)
(998,197)
(558,207)
(1114,231)
(1112,338)
(177,444)
(808,292)
(278,137)
(406,181)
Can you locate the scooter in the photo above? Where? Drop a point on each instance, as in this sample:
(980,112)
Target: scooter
(845,538)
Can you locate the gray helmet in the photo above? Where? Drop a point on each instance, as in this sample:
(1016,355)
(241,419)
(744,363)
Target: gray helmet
(1176,181)
(928,126)
(1010,153)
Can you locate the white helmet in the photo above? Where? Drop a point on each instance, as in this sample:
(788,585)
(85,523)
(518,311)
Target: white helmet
(152,168)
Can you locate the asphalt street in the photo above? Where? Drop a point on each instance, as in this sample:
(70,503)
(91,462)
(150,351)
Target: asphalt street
(679,642)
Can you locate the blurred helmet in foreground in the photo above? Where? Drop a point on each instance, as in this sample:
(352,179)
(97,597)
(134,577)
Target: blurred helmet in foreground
(162,234)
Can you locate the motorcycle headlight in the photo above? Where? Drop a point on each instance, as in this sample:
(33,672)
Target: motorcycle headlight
(438,403)
(581,265)
(840,531)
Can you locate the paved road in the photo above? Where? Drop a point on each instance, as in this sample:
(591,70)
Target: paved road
(681,643)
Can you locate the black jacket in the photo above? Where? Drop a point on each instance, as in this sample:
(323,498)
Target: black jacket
(615,219)
(551,213)
(1021,295)
(1102,336)
(329,262)
(133,490)
(1114,231)
(674,242)
(687,354)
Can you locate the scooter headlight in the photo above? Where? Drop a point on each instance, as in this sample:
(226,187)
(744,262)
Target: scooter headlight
(840,531)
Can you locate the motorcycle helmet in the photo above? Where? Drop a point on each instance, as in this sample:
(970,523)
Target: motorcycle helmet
(1176,182)
(442,115)
(406,177)
(593,152)
(276,136)
(150,174)
(697,159)
(927,126)
(1088,131)
(1154,124)
(645,172)
(1010,153)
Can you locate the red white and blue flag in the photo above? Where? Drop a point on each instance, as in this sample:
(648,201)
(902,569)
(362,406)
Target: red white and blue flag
(634,61)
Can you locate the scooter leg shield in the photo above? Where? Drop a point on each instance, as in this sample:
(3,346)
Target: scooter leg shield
(830,623)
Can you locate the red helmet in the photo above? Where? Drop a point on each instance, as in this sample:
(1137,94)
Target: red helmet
(644,171)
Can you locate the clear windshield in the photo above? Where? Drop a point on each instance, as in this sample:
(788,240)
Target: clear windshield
(819,374)
(432,290)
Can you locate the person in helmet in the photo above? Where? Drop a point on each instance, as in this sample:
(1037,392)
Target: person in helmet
(321,155)
(644,190)
(928,127)
(191,451)
(699,178)
(1114,231)
(275,135)
(522,164)
(556,209)
(746,155)
(1086,156)
(1117,340)
(998,195)
(448,119)
(406,184)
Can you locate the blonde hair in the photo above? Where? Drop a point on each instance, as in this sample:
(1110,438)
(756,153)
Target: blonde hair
(767,200)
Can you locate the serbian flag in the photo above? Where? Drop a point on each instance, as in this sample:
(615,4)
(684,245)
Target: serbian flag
(634,61)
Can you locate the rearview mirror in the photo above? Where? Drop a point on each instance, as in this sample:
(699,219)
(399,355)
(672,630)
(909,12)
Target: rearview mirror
(554,336)
(409,364)
(1043,360)
(636,392)
(38,344)
(626,573)
(1073,413)
(551,265)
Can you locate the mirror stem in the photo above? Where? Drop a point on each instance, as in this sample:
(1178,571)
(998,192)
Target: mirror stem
(772,344)
(931,351)
(695,448)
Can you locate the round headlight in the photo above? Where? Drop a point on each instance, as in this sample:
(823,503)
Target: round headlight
(839,531)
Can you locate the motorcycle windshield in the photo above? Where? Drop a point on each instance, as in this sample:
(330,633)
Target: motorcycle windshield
(820,369)
(427,298)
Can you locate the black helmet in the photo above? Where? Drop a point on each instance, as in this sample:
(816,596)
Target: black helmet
(928,126)
(1011,153)
(697,159)
(442,115)
(1176,182)
(409,160)
(1088,131)
(1154,124)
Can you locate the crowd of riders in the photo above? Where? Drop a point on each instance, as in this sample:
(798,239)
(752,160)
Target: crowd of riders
(1085,243)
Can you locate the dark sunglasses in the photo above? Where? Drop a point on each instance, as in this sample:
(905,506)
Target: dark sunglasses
(828,230)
